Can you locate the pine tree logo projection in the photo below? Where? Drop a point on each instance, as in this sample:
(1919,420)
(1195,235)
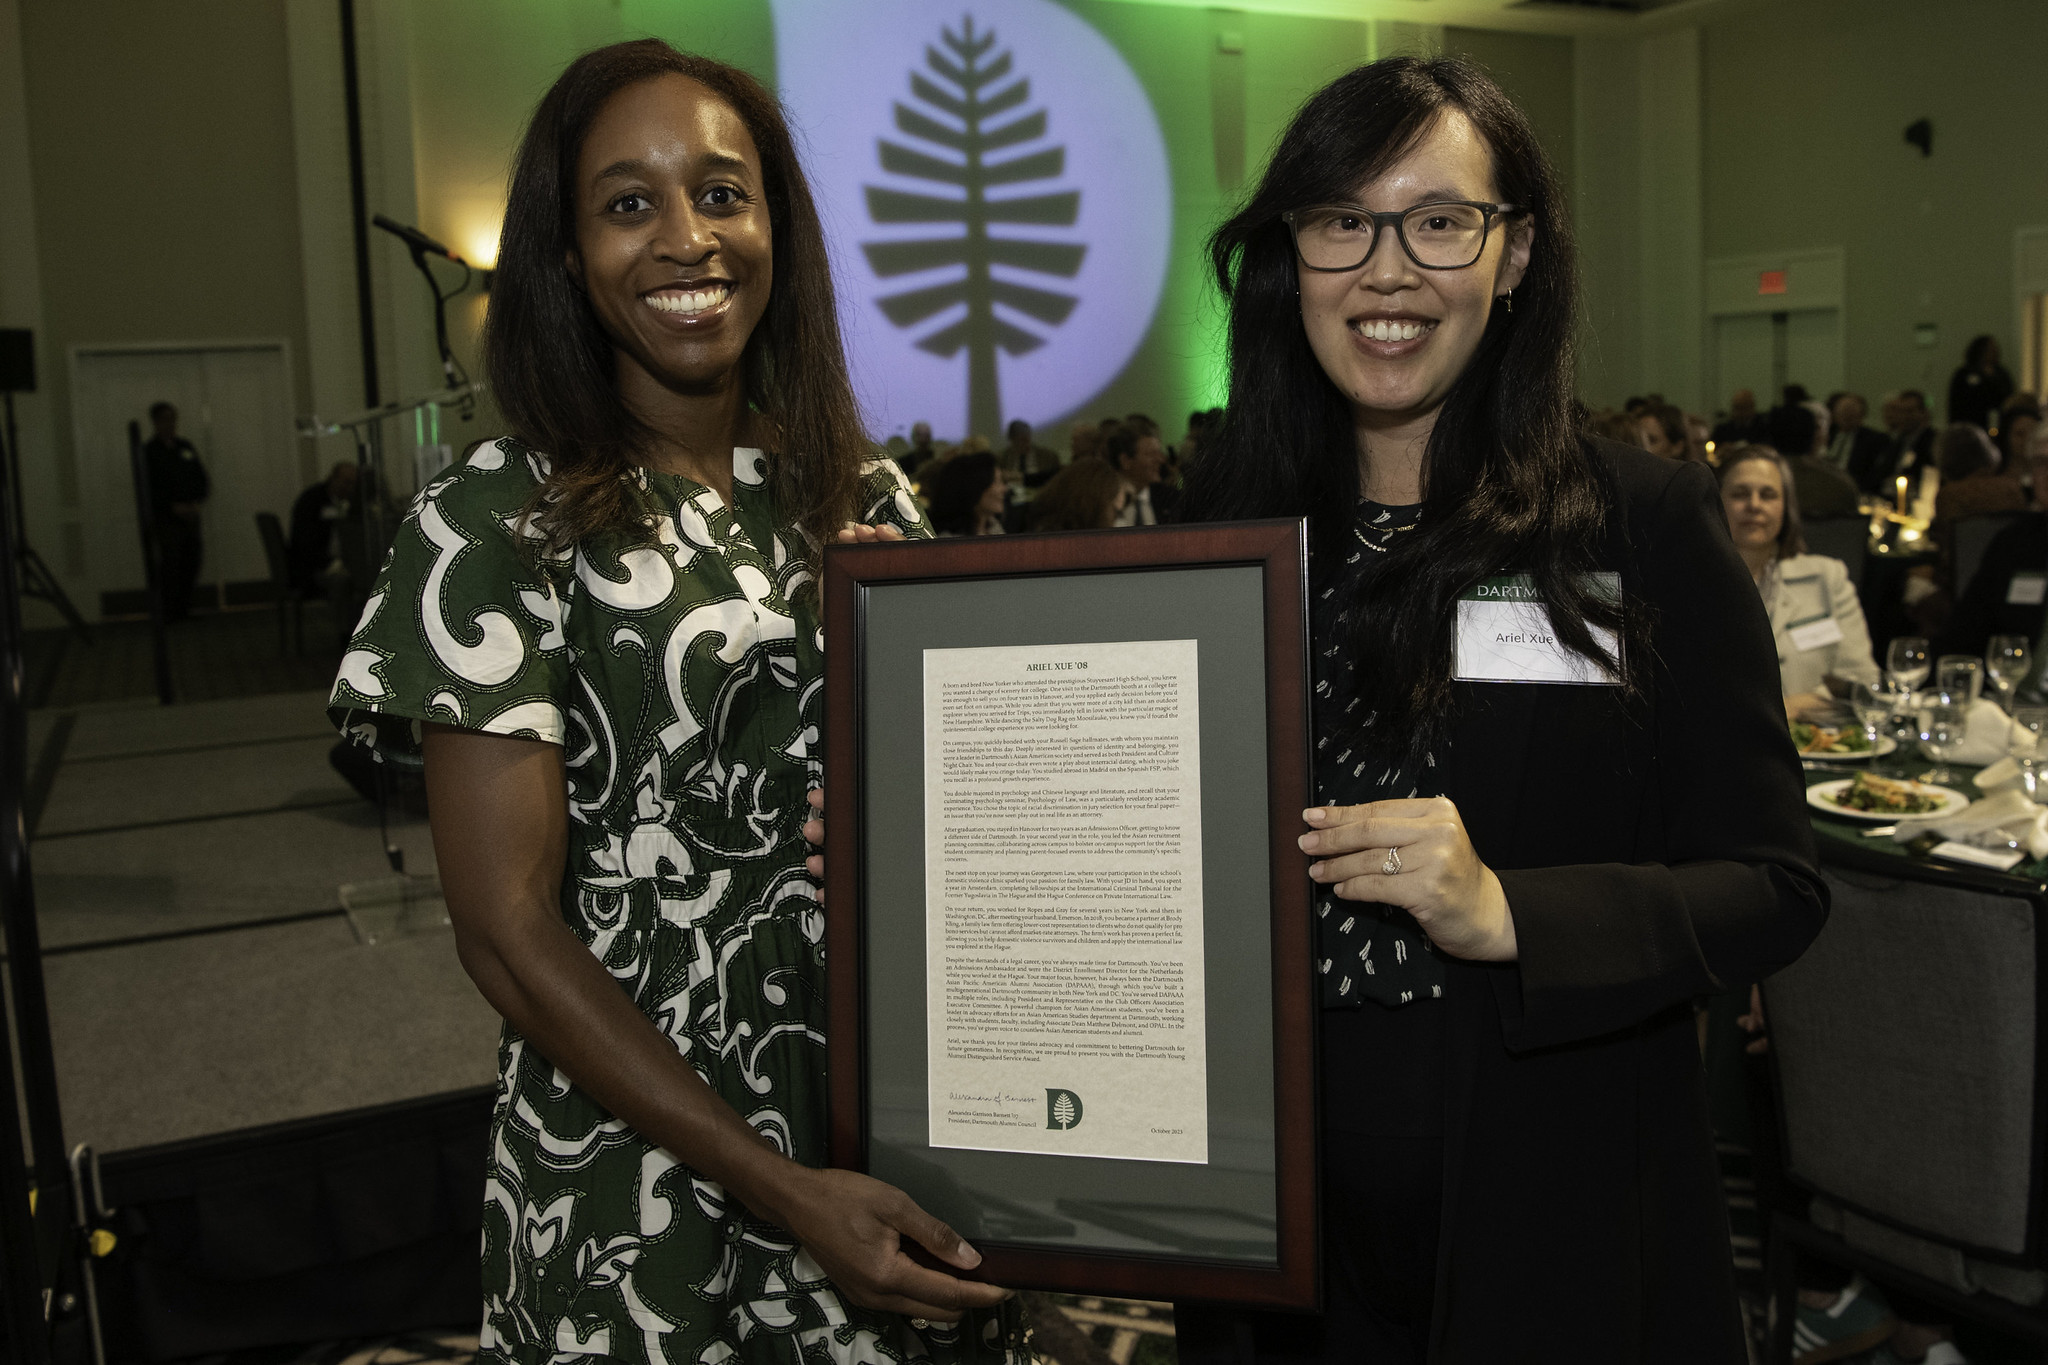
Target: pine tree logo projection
(969,116)
(1062,1109)
(997,201)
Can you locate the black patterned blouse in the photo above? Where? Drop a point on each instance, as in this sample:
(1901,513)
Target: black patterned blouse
(1364,951)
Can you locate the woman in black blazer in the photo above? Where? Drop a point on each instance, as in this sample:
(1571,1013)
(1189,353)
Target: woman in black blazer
(1559,799)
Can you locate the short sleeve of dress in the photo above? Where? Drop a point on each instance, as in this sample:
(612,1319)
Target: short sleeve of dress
(464,624)
(886,499)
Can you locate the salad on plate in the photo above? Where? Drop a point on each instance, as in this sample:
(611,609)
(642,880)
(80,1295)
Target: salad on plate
(1873,795)
(1827,739)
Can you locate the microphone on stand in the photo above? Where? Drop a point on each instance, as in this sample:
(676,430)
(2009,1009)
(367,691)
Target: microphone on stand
(417,240)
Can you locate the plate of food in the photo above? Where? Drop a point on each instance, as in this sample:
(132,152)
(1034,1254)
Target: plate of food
(1867,796)
(1840,744)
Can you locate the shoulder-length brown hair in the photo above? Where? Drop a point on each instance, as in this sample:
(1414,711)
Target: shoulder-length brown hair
(552,367)
(1791,531)
(1081,497)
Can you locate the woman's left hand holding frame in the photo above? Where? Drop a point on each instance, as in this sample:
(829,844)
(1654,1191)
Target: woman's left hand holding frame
(1414,854)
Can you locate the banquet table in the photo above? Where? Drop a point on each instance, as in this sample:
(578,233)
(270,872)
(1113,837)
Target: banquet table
(1845,843)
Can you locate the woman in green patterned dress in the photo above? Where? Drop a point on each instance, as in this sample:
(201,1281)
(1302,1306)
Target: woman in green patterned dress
(619,602)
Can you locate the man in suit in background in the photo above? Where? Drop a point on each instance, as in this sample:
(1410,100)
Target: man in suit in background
(1743,422)
(1823,490)
(313,549)
(178,486)
(1912,444)
(920,451)
(1855,449)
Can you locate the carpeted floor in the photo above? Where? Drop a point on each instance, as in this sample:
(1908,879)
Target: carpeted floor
(213,655)
(202,977)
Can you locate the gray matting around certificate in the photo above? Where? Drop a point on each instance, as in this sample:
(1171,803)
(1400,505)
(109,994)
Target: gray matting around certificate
(1224,1210)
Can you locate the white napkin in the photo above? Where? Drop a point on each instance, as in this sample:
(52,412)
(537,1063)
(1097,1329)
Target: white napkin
(2000,775)
(1988,823)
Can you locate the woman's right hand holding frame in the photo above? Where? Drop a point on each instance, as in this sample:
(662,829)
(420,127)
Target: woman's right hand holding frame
(501,837)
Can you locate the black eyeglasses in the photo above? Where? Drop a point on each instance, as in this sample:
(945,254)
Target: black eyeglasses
(1448,235)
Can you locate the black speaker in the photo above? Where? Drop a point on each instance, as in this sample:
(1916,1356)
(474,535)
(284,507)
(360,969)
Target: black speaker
(17,360)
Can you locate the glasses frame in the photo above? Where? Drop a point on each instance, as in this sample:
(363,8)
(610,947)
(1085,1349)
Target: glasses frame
(1381,220)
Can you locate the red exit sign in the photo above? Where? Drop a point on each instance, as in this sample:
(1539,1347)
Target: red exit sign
(1770,282)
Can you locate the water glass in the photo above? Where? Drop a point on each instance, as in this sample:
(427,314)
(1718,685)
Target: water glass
(1906,662)
(1961,675)
(2007,660)
(1873,705)
(1944,724)
(2028,746)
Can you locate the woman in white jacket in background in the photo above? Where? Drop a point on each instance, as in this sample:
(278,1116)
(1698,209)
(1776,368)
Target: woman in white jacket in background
(1815,615)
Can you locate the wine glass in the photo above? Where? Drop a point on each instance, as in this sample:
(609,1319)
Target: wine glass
(2028,745)
(1961,676)
(2007,660)
(1873,707)
(1944,724)
(1906,662)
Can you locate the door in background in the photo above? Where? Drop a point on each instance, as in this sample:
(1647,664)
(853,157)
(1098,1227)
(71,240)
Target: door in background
(234,404)
(1813,349)
(1763,352)
(1744,358)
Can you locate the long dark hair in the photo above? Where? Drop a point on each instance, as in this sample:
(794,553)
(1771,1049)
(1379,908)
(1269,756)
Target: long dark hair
(959,486)
(551,364)
(1509,481)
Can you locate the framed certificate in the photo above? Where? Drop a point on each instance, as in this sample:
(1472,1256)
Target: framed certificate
(1067,923)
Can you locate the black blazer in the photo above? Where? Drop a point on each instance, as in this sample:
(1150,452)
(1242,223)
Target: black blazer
(1870,459)
(1654,849)
(1982,610)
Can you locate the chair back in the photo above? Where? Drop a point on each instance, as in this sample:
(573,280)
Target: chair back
(1843,538)
(275,553)
(1972,537)
(1906,1053)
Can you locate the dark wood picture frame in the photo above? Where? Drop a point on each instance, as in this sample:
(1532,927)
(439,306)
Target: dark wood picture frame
(1278,548)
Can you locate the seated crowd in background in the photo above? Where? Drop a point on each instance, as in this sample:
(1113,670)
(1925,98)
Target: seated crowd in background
(1118,471)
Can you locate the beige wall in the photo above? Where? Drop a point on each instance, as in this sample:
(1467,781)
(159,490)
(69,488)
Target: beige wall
(159,145)
(1805,114)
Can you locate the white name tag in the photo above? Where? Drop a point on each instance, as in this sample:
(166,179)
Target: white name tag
(1815,634)
(2027,590)
(1504,635)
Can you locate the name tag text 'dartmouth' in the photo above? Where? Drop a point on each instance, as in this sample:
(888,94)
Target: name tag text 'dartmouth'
(2027,590)
(1504,635)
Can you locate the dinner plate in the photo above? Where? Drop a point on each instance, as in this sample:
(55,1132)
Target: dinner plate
(1885,745)
(1821,797)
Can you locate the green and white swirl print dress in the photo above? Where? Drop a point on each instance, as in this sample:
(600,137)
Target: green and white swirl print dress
(685,687)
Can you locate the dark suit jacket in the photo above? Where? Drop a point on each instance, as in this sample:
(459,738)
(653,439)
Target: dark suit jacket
(1907,458)
(1654,849)
(1981,609)
(1824,491)
(1869,458)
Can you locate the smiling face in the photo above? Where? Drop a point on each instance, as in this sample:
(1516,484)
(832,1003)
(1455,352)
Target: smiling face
(1753,495)
(1392,336)
(673,244)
